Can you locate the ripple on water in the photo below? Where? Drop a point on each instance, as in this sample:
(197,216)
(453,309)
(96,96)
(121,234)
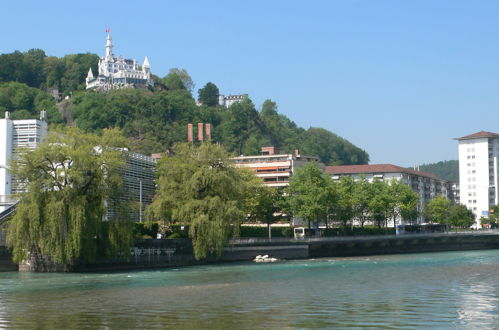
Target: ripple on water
(440,290)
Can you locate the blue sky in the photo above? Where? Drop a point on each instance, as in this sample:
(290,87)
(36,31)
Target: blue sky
(400,79)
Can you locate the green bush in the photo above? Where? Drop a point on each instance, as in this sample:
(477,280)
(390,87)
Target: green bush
(288,232)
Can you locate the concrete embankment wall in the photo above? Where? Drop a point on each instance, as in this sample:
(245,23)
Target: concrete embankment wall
(6,263)
(402,244)
(178,252)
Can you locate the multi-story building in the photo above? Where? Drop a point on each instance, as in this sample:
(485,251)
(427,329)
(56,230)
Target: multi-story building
(427,185)
(118,72)
(227,101)
(455,192)
(478,172)
(15,134)
(275,169)
(139,174)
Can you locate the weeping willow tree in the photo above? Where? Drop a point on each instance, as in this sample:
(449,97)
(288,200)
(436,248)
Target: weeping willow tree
(69,180)
(201,187)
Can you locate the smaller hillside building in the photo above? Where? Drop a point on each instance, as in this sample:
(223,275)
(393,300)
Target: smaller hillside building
(275,169)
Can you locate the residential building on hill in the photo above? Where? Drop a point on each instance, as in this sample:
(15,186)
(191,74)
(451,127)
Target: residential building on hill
(427,185)
(227,101)
(478,172)
(275,169)
(15,134)
(119,72)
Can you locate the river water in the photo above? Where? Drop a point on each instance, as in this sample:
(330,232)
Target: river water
(432,290)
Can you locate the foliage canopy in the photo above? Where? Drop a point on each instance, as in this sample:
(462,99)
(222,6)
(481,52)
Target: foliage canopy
(68,179)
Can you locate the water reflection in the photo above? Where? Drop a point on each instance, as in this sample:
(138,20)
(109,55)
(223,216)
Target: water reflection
(442,290)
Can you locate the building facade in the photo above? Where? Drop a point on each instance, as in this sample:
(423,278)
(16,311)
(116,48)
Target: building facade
(478,172)
(139,174)
(275,169)
(15,134)
(227,101)
(119,72)
(427,185)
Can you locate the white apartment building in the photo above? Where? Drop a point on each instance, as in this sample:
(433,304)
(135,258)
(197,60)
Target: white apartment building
(427,185)
(15,134)
(275,169)
(478,172)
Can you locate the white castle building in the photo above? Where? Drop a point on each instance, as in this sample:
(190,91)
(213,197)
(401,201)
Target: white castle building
(478,172)
(118,72)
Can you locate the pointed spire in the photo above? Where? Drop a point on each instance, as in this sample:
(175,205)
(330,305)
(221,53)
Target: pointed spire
(109,46)
(90,74)
(146,63)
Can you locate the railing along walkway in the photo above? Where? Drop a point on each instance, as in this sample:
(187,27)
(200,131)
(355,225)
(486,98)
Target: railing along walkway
(262,240)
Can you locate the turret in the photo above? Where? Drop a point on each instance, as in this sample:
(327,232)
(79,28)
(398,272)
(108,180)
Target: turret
(90,76)
(146,67)
(109,47)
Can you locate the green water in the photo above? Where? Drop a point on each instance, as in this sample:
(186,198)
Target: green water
(438,290)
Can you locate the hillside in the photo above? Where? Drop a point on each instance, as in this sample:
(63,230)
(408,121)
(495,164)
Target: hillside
(447,169)
(153,120)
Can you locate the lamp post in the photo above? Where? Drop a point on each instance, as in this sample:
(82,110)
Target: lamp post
(140,200)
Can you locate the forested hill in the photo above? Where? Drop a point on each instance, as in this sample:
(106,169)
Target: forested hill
(447,169)
(154,120)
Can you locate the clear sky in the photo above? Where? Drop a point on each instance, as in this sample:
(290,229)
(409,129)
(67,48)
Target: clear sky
(400,79)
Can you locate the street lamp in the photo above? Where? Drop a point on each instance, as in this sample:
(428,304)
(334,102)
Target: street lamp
(140,200)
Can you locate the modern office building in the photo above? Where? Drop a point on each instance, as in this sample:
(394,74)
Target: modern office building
(427,185)
(139,174)
(119,72)
(478,172)
(15,134)
(275,169)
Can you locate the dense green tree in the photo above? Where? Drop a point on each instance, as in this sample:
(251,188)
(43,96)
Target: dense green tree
(173,81)
(208,95)
(308,193)
(361,196)
(447,169)
(345,208)
(403,201)
(438,210)
(332,149)
(201,187)
(35,69)
(379,203)
(179,77)
(68,180)
(460,216)
(266,206)
(26,102)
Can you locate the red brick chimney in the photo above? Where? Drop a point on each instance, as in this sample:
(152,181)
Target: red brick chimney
(200,131)
(189,133)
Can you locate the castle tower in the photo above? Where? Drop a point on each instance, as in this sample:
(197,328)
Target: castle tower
(109,47)
(90,76)
(146,67)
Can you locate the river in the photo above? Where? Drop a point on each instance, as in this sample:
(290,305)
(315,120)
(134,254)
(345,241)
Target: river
(430,290)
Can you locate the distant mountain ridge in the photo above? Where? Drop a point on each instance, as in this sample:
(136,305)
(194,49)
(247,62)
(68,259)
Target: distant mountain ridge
(447,169)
